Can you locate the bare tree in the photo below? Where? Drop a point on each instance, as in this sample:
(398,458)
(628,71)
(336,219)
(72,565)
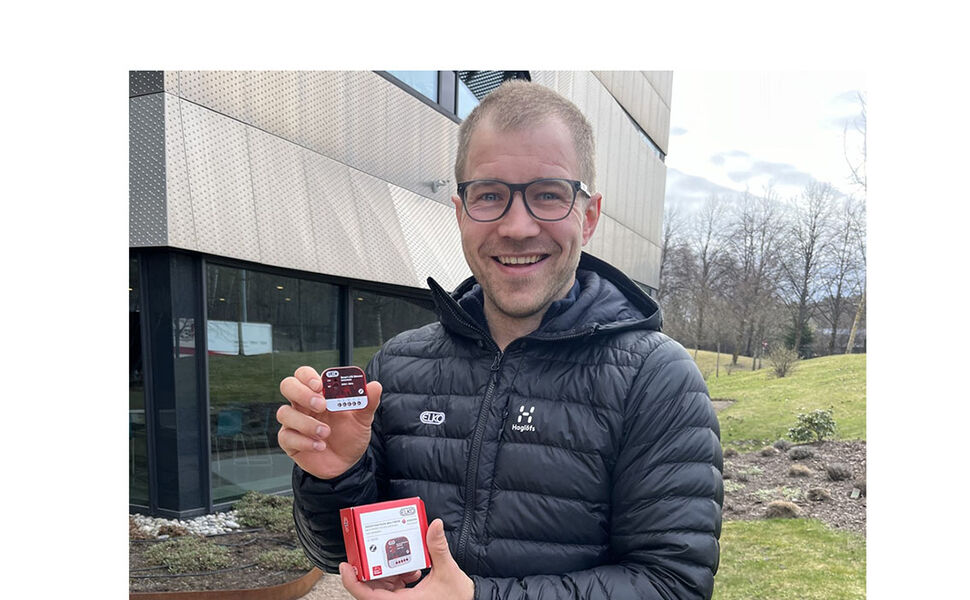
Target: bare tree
(752,244)
(843,269)
(808,237)
(857,169)
(707,245)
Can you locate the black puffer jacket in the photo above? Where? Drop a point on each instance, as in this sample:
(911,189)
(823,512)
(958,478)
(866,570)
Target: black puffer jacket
(581,462)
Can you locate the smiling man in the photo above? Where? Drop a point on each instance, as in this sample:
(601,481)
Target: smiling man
(573,452)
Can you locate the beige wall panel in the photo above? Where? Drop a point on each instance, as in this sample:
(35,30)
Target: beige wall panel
(338,233)
(388,257)
(220,183)
(432,237)
(181,221)
(282,202)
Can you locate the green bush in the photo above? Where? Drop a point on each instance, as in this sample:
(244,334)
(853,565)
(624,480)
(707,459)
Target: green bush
(263,510)
(782,360)
(285,560)
(813,426)
(189,554)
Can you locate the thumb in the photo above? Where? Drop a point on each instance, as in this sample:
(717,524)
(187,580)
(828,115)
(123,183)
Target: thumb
(374,390)
(438,544)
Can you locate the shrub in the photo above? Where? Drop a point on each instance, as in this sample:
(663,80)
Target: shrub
(781,509)
(284,560)
(799,470)
(172,530)
(263,510)
(801,452)
(838,471)
(135,532)
(189,554)
(819,494)
(813,426)
(782,361)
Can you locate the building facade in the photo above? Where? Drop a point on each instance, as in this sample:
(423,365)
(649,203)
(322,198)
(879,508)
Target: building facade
(287,218)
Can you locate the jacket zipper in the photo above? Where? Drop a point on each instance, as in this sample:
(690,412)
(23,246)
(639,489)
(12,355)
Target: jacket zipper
(471,475)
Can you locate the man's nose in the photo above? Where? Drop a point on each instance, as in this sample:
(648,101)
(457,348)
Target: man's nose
(518,223)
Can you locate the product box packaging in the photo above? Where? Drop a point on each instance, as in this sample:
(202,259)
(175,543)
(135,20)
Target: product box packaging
(386,538)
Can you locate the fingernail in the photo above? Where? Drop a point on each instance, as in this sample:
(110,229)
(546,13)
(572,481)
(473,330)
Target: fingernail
(316,403)
(316,385)
(319,446)
(321,431)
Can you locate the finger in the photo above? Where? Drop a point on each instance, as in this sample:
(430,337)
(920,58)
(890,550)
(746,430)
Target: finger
(359,589)
(438,545)
(290,418)
(300,395)
(292,442)
(411,577)
(309,377)
(374,390)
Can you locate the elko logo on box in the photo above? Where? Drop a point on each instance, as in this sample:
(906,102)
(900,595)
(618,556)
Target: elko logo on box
(526,414)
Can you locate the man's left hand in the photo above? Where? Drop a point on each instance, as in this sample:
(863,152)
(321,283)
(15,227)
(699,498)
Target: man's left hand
(446,579)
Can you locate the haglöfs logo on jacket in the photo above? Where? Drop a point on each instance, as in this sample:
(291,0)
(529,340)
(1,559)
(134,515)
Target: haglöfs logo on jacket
(524,422)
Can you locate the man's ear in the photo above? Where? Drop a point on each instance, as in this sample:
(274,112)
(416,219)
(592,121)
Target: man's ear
(591,216)
(457,202)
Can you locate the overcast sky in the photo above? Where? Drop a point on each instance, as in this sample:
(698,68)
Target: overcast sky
(729,130)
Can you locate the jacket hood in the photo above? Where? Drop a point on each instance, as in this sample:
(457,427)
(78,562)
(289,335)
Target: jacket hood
(608,301)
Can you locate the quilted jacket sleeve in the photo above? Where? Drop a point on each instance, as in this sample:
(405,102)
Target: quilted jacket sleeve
(317,502)
(667,496)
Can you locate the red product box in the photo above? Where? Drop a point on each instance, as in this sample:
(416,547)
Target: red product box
(386,538)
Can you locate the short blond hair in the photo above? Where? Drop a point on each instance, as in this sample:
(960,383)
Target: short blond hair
(517,104)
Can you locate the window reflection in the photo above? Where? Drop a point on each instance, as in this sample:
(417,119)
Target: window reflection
(261,327)
(424,82)
(466,100)
(137,434)
(379,317)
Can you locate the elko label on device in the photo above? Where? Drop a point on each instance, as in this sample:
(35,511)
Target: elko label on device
(344,388)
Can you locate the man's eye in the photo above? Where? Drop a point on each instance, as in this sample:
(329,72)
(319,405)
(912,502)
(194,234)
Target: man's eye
(489,197)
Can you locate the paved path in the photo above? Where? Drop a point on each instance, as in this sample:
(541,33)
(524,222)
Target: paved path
(327,587)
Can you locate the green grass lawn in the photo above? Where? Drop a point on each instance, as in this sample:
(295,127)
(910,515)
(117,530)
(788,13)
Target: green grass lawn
(789,558)
(707,362)
(766,406)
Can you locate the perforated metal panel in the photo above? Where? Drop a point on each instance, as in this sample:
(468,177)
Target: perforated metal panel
(145,82)
(181,221)
(146,171)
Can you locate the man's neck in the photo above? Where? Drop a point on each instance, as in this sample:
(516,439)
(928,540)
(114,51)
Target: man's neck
(505,329)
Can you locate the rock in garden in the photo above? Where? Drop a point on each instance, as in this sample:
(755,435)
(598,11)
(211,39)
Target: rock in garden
(801,452)
(768,451)
(861,485)
(782,445)
(818,494)
(799,470)
(782,509)
(729,452)
(838,471)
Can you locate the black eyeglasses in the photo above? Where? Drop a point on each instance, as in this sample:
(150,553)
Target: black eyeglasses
(548,199)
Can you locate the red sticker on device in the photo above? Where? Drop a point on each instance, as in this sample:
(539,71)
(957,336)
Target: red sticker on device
(345,388)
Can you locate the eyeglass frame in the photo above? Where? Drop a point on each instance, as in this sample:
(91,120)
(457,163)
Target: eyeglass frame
(578,186)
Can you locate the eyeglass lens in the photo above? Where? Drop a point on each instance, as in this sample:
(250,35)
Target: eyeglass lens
(547,199)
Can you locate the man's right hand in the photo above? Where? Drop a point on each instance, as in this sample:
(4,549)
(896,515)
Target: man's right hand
(324,444)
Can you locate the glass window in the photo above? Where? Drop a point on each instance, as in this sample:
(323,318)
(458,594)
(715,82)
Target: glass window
(261,327)
(137,434)
(423,82)
(378,318)
(466,100)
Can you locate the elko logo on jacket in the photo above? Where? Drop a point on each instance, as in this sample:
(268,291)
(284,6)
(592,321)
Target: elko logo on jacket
(527,416)
(430,417)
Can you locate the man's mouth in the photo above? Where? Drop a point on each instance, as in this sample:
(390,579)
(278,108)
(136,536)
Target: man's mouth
(519,260)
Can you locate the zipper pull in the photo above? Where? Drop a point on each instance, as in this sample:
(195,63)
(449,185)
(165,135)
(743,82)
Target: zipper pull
(497,362)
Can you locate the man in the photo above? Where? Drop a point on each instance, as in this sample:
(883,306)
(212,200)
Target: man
(576,453)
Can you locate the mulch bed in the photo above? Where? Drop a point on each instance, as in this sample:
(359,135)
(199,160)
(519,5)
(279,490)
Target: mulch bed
(767,479)
(245,547)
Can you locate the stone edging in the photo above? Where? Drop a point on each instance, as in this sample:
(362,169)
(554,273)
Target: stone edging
(284,591)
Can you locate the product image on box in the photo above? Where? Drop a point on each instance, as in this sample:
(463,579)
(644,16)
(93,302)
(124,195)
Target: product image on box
(398,551)
(344,388)
(386,538)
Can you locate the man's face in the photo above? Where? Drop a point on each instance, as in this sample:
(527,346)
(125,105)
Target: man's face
(524,264)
